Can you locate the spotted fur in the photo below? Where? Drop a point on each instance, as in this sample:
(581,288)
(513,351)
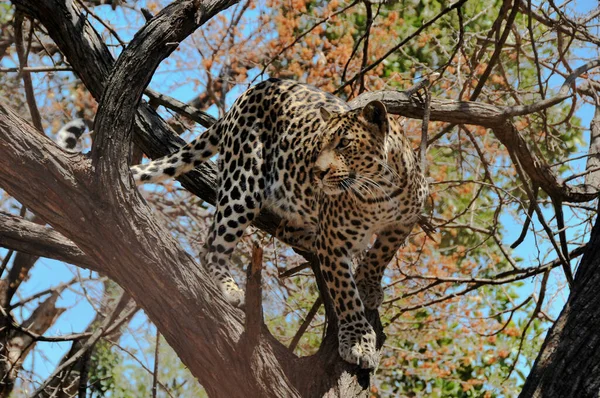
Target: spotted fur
(70,133)
(337,176)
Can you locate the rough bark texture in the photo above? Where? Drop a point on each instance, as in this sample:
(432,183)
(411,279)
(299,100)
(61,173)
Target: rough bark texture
(204,330)
(25,236)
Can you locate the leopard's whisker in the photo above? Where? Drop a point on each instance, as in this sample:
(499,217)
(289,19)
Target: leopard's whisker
(387,167)
(362,185)
(381,177)
(375,185)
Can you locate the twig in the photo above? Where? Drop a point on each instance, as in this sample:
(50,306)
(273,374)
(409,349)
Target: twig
(103,22)
(565,264)
(475,283)
(355,48)
(562,237)
(5,261)
(403,42)
(458,47)
(34,69)
(583,173)
(300,36)
(155,372)
(27,83)
(37,295)
(254,312)
(202,118)
(424,129)
(512,313)
(136,359)
(85,347)
(535,313)
(562,94)
(309,317)
(497,51)
(365,56)
(294,271)
(527,221)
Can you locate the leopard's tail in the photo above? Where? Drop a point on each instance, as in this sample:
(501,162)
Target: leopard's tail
(185,159)
(69,134)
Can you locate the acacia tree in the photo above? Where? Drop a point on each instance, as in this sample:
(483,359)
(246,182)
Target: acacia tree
(91,203)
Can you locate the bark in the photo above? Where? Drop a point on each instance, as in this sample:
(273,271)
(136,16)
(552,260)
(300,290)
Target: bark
(28,237)
(593,161)
(198,324)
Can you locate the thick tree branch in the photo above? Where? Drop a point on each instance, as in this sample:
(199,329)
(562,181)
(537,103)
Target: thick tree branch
(25,236)
(189,110)
(153,43)
(195,319)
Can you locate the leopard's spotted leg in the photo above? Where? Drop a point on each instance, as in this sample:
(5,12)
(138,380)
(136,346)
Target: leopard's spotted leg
(355,335)
(371,268)
(239,201)
(231,220)
(299,237)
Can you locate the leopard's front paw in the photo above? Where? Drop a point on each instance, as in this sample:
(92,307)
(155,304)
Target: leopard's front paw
(357,344)
(371,293)
(233,294)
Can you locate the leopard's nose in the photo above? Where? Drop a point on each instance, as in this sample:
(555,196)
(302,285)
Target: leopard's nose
(319,173)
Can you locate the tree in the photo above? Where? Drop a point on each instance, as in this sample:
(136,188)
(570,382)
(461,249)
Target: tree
(504,64)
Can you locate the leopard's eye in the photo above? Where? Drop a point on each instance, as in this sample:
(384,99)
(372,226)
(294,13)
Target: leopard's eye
(344,142)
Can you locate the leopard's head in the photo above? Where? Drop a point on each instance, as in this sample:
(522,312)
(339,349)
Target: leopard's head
(353,151)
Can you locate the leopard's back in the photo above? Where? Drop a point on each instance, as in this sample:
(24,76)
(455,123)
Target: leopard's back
(280,119)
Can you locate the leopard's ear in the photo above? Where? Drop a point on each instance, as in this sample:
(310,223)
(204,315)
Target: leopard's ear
(325,114)
(375,113)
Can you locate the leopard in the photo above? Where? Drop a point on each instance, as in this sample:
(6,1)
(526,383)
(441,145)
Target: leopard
(346,183)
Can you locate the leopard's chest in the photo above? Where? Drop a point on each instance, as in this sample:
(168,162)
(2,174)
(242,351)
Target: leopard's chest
(291,195)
